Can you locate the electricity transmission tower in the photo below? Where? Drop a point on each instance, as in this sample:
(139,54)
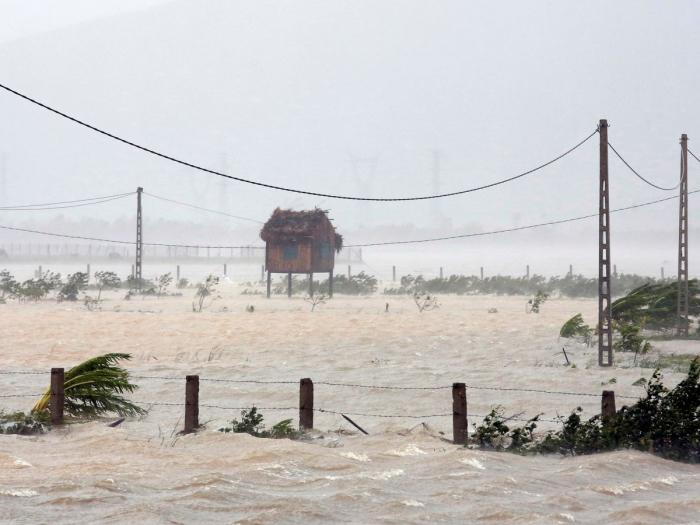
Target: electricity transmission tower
(605,350)
(683,242)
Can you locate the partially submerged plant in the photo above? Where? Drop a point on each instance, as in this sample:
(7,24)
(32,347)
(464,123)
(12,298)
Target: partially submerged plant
(91,304)
(425,302)
(575,327)
(664,422)
(631,341)
(94,388)
(75,284)
(23,424)
(162,282)
(536,302)
(252,423)
(205,289)
(106,281)
(315,299)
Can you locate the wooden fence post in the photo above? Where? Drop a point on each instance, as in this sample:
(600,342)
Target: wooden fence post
(441,272)
(527,272)
(482,273)
(459,413)
(177,282)
(393,272)
(607,405)
(57,396)
(306,404)
(262,274)
(88,272)
(289,285)
(349,272)
(225,269)
(191,404)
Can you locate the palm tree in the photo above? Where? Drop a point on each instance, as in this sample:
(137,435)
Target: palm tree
(94,388)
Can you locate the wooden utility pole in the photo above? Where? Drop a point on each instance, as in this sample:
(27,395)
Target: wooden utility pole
(605,350)
(683,243)
(139,239)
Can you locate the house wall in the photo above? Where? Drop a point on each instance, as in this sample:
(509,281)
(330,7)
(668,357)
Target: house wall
(276,263)
(324,233)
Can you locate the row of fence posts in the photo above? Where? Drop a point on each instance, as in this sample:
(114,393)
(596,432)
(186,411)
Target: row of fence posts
(306,405)
(393,272)
(113,252)
(527,272)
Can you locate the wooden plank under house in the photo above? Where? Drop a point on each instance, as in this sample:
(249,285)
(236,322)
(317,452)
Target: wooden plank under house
(302,242)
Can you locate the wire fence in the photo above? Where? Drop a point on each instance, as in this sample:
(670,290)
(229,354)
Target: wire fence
(332,384)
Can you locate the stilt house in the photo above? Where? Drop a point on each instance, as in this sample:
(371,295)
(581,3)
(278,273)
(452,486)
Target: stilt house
(300,242)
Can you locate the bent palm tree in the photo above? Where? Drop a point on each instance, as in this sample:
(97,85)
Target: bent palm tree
(94,388)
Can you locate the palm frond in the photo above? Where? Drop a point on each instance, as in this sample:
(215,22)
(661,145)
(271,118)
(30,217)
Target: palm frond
(94,388)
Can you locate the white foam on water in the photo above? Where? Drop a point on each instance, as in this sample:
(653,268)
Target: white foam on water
(356,457)
(383,476)
(413,503)
(25,493)
(20,463)
(472,462)
(410,450)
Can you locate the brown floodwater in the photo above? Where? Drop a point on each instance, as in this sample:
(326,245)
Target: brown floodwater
(404,471)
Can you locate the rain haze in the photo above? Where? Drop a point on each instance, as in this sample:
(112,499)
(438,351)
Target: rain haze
(360,99)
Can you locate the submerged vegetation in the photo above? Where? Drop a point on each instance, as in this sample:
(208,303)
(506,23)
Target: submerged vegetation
(24,424)
(252,423)
(665,422)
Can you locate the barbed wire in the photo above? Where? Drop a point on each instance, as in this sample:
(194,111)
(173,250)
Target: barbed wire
(382,387)
(354,385)
(638,175)
(280,188)
(23,395)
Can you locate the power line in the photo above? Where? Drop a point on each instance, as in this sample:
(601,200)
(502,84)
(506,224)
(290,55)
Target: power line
(126,242)
(352,245)
(693,154)
(24,208)
(638,175)
(30,206)
(203,209)
(281,188)
(512,229)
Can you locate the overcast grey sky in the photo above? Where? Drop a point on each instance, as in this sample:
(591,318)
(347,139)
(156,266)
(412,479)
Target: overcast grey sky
(290,93)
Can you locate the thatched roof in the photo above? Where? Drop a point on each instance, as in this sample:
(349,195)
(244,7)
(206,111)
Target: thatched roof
(293,226)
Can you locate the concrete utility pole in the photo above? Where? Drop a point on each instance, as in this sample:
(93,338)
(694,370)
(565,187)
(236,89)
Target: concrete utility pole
(683,243)
(139,239)
(605,350)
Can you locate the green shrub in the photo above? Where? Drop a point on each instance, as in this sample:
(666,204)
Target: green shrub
(24,424)
(252,423)
(665,422)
